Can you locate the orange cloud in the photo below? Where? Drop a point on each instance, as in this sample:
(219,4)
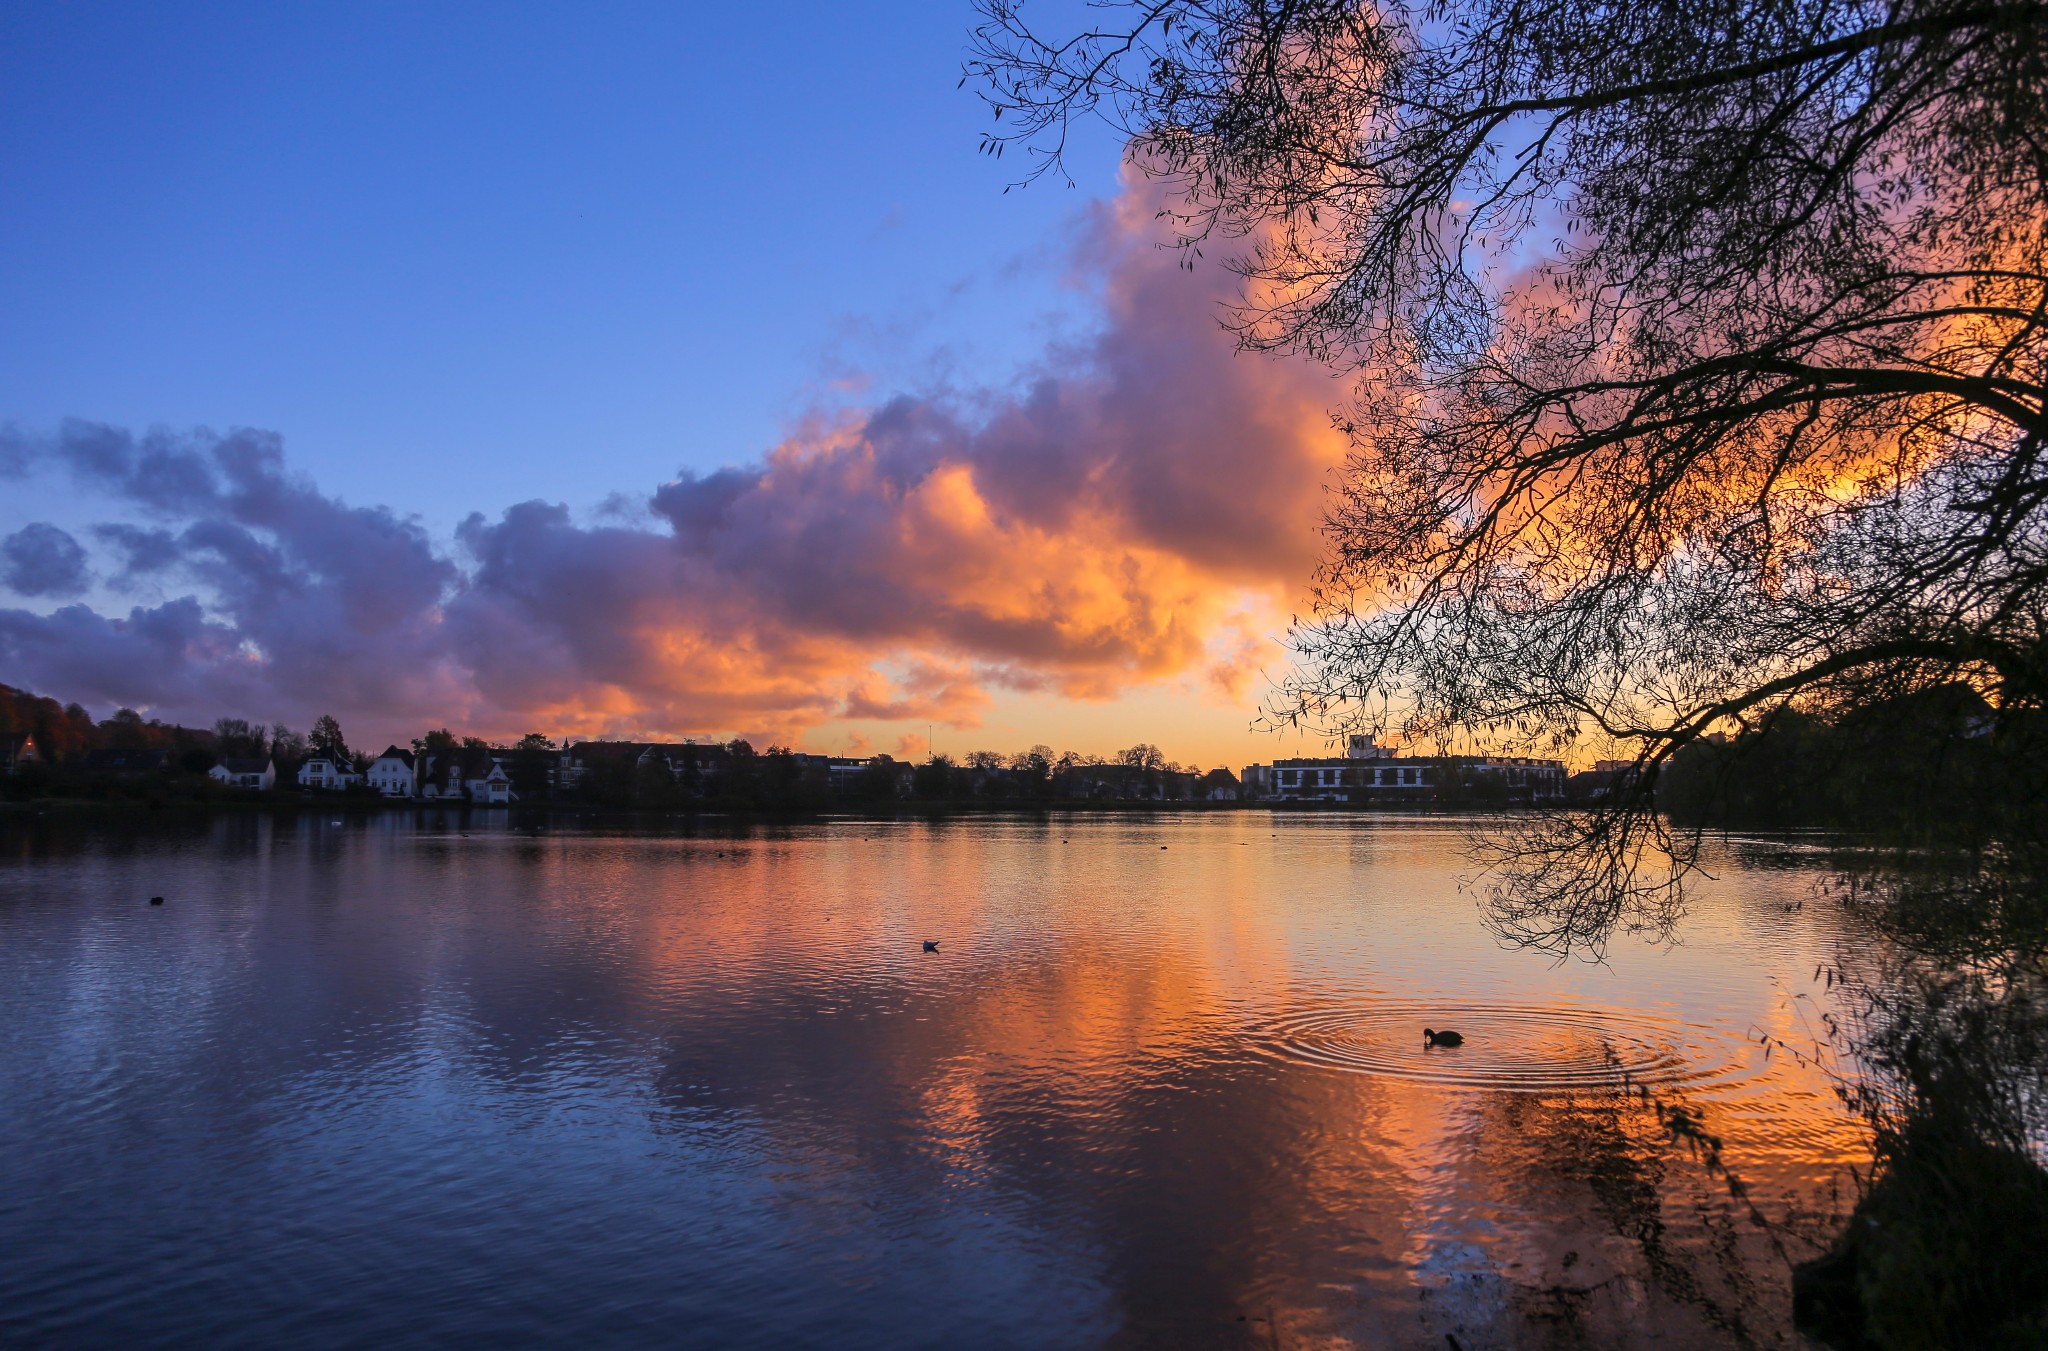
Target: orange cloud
(1102,527)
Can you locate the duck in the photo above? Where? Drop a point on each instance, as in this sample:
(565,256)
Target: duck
(1432,1037)
(931,945)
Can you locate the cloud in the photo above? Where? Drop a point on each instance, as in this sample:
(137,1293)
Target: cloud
(1100,525)
(1240,648)
(929,692)
(141,551)
(307,602)
(41,560)
(170,655)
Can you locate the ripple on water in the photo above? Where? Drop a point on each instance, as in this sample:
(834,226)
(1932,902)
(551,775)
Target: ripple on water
(1515,1047)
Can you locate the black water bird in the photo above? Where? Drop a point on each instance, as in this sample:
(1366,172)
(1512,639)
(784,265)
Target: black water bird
(931,945)
(156,900)
(1432,1037)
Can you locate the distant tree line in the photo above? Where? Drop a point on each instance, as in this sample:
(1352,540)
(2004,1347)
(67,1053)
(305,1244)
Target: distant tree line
(1042,775)
(1926,763)
(732,776)
(727,776)
(735,776)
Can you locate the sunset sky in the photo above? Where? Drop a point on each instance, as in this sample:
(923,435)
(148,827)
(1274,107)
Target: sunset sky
(647,371)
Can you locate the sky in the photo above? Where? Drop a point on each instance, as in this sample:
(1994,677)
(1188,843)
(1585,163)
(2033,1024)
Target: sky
(631,370)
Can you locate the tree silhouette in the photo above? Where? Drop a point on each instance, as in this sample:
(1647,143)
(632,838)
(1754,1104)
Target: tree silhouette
(1699,355)
(326,740)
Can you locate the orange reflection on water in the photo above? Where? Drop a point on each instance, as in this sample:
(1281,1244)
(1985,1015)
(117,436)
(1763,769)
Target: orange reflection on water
(1224,1036)
(1184,1087)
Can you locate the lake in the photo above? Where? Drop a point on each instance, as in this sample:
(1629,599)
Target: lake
(391,1081)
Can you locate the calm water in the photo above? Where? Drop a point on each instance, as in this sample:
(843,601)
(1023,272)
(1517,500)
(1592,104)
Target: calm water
(396,1083)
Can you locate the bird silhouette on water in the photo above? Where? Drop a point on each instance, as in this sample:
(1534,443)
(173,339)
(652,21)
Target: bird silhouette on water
(1432,1037)
(931,945)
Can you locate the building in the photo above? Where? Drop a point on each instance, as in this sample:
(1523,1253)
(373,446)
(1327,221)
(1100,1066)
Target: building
(1369,772)
(579,761)
(18,749)
(1513,778)
(1339,779)
(438,777)
(329,773)
(245,771)
(693,764)
(483,777)
(845,774)
(471,774)
(899,777)
(592,764)
(1365,765)
(392,773)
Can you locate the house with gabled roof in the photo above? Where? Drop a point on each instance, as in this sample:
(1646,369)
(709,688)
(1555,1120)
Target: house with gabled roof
(475,773)
(329,772)
(578,759)
(18,749)
(245,771)
(392,773)
(484,780)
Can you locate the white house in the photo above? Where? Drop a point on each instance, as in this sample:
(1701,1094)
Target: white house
(242,771)
(440,776)
(472,772)
(391,773)
(484,779)
(330,772)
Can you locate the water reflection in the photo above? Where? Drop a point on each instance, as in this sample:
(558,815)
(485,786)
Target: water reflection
(1530,1048)
(458,1081)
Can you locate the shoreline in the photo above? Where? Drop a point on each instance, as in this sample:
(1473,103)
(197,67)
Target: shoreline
(908,808)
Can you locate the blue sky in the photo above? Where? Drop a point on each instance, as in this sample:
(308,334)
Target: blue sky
(463,255)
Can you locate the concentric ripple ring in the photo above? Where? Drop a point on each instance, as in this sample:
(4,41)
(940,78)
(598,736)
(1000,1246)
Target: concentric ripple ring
(1528,1048)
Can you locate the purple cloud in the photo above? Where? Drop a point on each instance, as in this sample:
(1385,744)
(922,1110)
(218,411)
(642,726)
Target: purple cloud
(41,560)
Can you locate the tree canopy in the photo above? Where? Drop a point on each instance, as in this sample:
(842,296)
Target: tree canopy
(326,739)
(1698,347)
